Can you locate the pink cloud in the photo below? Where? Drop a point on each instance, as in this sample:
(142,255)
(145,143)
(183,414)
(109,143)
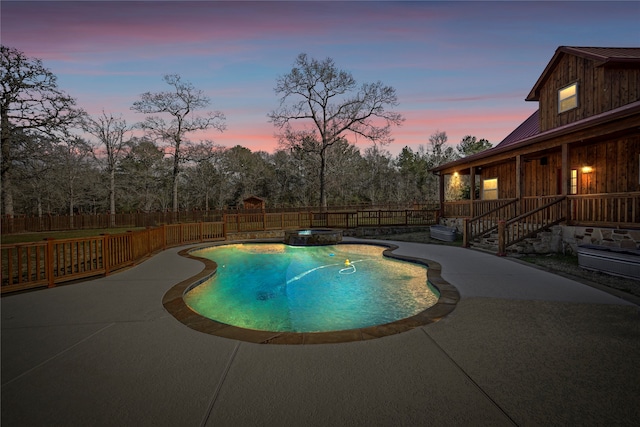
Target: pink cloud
(493,124)
(201,26)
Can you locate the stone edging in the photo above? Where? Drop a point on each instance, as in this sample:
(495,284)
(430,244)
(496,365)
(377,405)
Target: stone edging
(174,303)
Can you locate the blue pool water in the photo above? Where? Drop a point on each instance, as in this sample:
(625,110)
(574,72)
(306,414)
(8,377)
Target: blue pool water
(282,288)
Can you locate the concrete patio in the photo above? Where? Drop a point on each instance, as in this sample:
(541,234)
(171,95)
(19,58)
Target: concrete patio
(523,347)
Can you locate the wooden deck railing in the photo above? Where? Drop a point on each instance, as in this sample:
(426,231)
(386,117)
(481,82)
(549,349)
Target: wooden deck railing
(615,209)
(457,209)
(488,221)
(54,261)
(468,209)
(530,223)
(26,265)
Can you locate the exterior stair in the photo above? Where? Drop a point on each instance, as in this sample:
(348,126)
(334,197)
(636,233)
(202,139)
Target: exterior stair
(531,232)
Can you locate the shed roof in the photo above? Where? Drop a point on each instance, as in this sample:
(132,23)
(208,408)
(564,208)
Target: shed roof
(252,197)
(604,56)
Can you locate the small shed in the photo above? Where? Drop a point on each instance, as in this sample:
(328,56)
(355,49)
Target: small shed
(253,202)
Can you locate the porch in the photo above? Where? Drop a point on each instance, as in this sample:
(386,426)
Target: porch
(612,219)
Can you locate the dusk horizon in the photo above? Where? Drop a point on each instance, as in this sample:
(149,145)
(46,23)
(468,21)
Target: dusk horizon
(463,68)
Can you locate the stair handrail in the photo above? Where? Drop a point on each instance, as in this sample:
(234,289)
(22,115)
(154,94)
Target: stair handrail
(504,229)
(468,236)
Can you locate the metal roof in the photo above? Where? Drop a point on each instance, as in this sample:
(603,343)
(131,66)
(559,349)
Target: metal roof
(529,131)
(605,54)
(529,127)
(509,144)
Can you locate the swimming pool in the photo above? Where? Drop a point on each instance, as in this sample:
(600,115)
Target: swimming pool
(282,288)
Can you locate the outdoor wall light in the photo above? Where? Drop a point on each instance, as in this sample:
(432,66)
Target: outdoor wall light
(587,169)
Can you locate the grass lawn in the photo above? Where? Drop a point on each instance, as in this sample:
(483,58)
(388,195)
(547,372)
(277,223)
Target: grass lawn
(552,259)
(36,237)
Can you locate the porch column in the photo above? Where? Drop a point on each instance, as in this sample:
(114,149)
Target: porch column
(565,177)
(472,178)
(564,174)
(519,185)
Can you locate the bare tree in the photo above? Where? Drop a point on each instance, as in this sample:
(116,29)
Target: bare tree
(329,100)
(144,177)
(201,174)
(31,172)
(30,103)
(70,161)
(110,132)
(180,104)
(246,173)
(379,176)
(439,153)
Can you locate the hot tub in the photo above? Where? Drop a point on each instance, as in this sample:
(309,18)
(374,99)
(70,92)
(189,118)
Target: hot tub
(312,237)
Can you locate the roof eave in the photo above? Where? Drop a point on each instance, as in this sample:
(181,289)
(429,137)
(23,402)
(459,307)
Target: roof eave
(534,94)
(619,113)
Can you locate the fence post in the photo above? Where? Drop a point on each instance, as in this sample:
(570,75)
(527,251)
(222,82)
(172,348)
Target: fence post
(465,232)
(224,226)
(501,238)
(49,262)
(105,253)
(148,230)
(201,232)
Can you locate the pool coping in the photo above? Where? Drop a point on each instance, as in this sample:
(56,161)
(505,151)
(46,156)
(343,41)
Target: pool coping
(174,303)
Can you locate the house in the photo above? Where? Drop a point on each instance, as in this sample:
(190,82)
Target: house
(253,202)
(570,173)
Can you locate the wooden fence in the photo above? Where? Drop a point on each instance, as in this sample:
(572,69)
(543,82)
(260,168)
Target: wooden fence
(54,261)
(26,224)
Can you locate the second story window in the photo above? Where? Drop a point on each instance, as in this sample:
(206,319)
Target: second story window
(568,98)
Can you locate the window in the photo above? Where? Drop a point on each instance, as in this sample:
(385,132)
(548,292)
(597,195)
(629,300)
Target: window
(568,98)
(573,185)
(490,189)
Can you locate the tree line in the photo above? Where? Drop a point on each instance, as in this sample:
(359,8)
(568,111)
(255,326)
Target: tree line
(57,159)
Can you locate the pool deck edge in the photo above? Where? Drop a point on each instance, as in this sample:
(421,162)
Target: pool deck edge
(175,305)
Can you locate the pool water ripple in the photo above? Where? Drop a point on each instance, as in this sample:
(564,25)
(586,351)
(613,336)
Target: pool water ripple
(280,288)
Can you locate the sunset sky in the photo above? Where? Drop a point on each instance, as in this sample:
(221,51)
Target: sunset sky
(459,67)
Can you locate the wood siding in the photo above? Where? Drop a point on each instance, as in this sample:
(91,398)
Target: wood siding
(541,175)
(505,172)
(615,169)
(615,166)
(600,89)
